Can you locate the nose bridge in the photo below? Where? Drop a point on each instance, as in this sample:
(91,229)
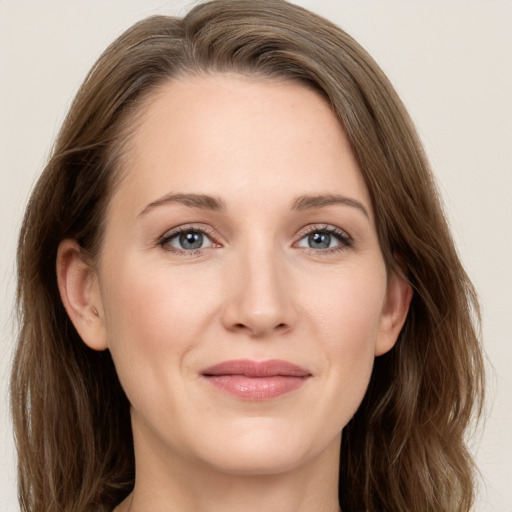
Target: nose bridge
(259,299)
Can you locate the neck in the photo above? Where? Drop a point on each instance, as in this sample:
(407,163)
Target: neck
(165,482)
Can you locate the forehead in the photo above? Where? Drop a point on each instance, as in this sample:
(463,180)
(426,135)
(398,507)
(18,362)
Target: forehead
(228,133)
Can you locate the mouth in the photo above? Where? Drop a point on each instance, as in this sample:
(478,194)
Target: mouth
(256,380)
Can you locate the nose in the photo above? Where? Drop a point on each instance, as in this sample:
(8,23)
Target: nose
(260,297)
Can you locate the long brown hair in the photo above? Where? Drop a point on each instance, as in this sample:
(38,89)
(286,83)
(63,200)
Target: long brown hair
(405,447)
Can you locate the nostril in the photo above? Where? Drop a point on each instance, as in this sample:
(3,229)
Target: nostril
(241,326)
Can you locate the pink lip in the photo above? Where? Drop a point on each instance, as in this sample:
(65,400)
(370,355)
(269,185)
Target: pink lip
(256,380)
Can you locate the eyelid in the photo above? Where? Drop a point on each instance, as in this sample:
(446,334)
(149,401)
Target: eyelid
(344,238)
(163,241)
(346,241)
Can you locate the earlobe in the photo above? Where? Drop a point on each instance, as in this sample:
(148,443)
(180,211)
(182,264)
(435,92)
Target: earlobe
(398,298)
(78,287)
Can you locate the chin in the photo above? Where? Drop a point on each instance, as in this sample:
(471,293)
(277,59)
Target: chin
(259,451)
(257,462)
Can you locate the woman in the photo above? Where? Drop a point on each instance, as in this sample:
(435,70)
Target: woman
(237,288)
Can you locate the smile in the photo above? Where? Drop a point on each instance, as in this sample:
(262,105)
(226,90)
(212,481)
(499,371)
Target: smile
(254,380)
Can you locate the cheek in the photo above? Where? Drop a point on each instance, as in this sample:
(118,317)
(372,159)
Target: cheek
(347,317)
(347,306)
(153,318)
(152,306)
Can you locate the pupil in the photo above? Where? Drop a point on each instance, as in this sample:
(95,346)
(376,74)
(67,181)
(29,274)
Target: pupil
(191,240)
(319,240)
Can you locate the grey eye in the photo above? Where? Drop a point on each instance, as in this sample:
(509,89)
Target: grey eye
(320,240)
(189,240)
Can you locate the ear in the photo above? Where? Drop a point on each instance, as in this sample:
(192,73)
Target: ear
(394,312)
(79,290)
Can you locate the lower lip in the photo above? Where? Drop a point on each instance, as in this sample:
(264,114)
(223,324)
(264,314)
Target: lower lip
(256,388)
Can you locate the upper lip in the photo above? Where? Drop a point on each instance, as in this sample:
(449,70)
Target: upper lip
(249,368)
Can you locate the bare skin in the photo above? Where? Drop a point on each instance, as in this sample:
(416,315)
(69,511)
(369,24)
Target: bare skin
(242,230)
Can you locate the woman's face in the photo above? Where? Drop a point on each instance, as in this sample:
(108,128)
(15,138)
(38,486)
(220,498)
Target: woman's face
(241,289)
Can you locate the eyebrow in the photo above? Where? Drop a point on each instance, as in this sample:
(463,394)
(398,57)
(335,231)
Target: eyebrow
(202,201)
(310,202)
(206,202)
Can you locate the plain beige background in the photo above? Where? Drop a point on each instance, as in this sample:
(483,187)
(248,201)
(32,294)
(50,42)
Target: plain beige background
(450,60)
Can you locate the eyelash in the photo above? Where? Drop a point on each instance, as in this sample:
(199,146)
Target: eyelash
(344,239)
(164,242)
